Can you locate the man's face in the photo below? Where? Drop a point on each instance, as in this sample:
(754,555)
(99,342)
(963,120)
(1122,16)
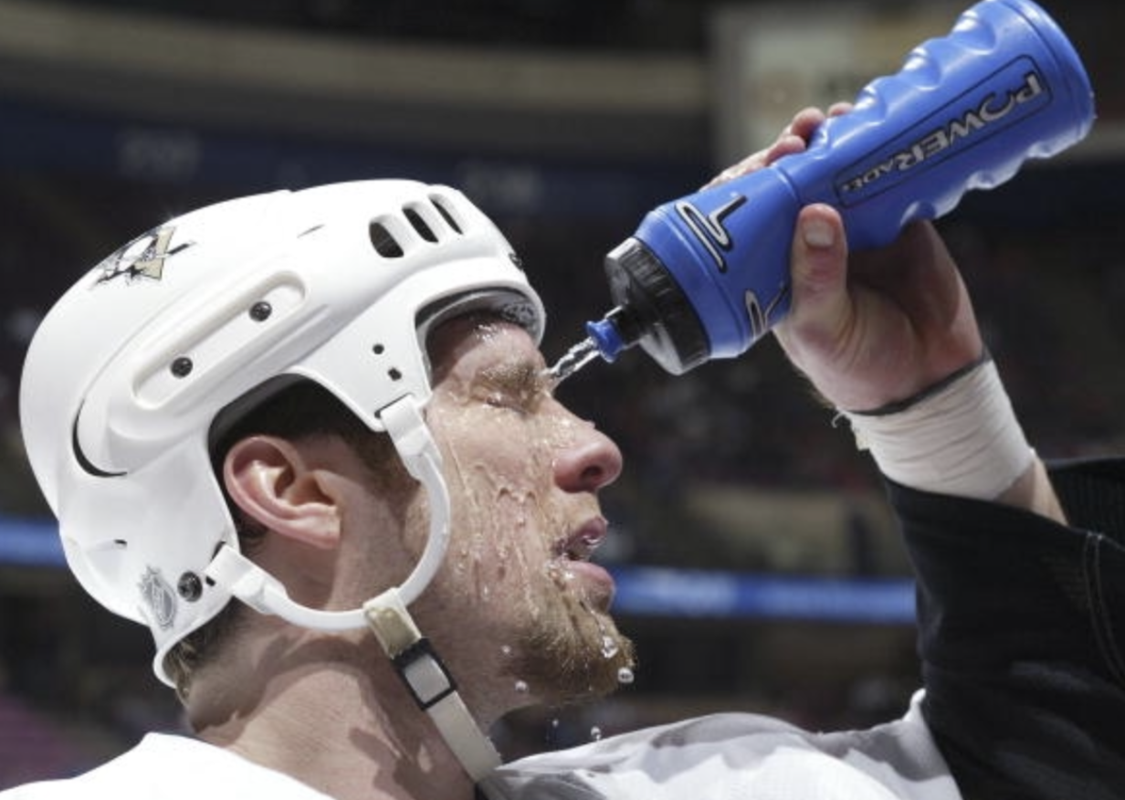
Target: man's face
(523,475)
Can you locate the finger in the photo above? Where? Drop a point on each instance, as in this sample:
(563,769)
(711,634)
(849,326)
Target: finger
(793,139)
(839,109)
(821,308)
(744,167)
(804,123)
(785,146)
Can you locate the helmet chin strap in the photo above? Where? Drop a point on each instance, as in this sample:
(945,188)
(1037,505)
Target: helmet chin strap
(415,660)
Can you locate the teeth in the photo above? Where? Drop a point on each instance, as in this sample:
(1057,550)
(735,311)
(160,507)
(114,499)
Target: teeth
(578,548)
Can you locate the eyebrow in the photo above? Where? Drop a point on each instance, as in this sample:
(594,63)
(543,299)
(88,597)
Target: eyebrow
(523,377)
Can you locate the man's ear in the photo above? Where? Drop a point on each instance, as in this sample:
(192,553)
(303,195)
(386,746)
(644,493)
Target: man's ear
(271,481)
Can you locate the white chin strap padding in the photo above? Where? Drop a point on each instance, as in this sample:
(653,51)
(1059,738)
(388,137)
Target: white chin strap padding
(431,684)
(419,666)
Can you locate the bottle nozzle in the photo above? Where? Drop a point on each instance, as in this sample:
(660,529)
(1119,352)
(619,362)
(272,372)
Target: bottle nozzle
(607,337)
(616,331)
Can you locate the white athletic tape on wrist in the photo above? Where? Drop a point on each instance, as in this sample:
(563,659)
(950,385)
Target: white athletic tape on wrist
(963,440)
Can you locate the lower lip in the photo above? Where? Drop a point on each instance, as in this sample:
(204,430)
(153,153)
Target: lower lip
(596,578)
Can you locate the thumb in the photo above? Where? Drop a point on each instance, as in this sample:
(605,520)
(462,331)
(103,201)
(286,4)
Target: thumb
(820,306)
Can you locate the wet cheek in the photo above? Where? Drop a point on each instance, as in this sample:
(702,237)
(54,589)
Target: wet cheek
(502,537)
(504,524)
(520,449)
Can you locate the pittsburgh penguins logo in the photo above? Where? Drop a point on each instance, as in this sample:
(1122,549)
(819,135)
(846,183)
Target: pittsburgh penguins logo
(142,258)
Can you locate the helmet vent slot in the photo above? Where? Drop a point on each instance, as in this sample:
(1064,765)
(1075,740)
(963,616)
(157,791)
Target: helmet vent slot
(384,243)
(419,224)
(446,213)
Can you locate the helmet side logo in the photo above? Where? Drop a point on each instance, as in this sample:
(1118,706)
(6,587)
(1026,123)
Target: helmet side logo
(159,597)
(143,257)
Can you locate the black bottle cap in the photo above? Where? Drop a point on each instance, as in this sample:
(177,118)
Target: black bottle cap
(653,309)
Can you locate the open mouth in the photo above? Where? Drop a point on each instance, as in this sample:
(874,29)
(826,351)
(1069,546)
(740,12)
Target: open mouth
(573,570)
(581,544)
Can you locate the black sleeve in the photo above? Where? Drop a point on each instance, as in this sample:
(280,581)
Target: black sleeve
(1022,637)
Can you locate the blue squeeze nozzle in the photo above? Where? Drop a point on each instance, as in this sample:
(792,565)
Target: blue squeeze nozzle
(707,275)
(607,337)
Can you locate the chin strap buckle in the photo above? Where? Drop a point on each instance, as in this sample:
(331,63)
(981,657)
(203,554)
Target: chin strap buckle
(430,683)
(425,673)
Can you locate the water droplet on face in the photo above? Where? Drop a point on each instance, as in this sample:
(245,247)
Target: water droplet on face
(521,687)
(596,733)
(625,675)
(609,646)
(559,571)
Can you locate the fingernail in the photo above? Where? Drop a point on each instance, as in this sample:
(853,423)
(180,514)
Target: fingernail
(818,233)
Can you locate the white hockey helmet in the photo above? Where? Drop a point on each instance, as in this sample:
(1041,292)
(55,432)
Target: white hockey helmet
(129,370)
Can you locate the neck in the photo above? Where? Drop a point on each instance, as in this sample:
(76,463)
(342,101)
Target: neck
(329,711)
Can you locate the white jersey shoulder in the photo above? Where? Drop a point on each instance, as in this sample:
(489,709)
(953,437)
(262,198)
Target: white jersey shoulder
(739,755)
(165,767)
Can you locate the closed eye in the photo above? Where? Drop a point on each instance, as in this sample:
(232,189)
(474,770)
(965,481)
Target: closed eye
(519,385)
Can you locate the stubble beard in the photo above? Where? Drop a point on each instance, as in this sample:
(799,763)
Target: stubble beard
(571,651)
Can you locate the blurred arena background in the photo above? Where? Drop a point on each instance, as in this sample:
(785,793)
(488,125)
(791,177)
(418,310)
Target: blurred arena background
(758,567)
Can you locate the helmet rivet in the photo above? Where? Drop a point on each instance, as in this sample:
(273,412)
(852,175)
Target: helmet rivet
(260,311)
(182,367)
(190,587)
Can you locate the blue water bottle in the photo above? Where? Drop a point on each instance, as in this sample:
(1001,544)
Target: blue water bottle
(707,275)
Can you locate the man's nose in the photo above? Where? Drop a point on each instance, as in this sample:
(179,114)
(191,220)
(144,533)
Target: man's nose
(588,463)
